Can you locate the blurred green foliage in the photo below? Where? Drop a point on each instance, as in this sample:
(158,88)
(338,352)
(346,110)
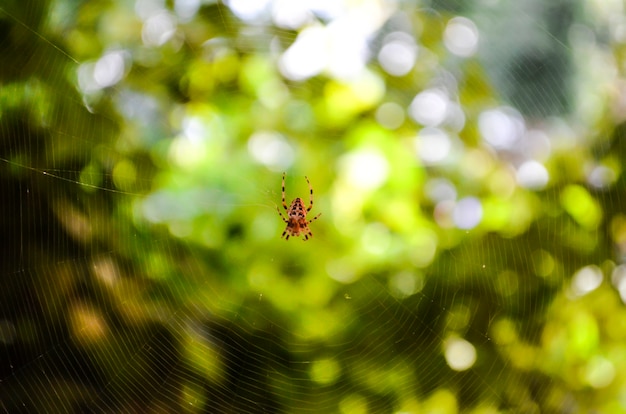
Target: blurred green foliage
(142,265)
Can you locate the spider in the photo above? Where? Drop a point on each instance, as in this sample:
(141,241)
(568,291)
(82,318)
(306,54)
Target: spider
(297,223)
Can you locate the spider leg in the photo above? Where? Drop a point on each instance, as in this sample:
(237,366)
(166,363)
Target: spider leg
(315,218)
(310,194)
(282,217)
(284,204)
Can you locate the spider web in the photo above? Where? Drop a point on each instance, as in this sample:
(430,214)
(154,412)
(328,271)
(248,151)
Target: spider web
(465,157)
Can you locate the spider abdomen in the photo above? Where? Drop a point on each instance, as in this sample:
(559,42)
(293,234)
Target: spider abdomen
(297,208)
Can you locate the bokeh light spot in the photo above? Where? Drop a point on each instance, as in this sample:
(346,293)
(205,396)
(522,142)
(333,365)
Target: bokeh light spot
(581,206)
(398,54)
(432,145)
(366,169)
(249,10)
(405,283)
(146,8)
(532,175)
(390,115)
(87,323)
(158,28)
(586,280)
(461,36)
(186,9)
(325,371)
(601,176)
(429,107)
(440,189)
(468,212)
(460,354)
(291,14)
(109,69)
(307,56)
(501,128)
(599,372)
(353,404)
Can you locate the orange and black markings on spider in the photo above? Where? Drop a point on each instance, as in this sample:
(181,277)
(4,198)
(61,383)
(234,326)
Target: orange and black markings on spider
(297,223)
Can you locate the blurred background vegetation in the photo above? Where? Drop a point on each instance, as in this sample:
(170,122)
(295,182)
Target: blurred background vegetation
(466,158)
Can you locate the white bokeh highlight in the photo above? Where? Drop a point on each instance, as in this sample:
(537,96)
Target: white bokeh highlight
(307,56)
(601,176)
(440,189)
(107,71)
(290,14)
(532,175)
(586,280)
(432,145)
(461,37)
(398,54)
(249,10)
(429,107)
(340,48)
(158,28)
(502,128)
(144,9)
(186,9)
(366,169)
(460,354)
(468,213)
